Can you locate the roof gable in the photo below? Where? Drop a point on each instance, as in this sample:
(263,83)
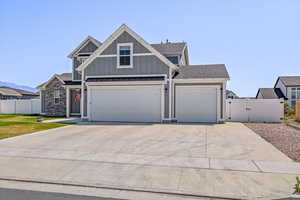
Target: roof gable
(114,36)
(83,44)
(289,80)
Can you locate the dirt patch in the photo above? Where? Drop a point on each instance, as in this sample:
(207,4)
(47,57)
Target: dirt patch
(283,137)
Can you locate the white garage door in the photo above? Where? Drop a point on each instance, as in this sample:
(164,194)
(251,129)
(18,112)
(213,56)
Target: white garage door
(126,103)
(196,104)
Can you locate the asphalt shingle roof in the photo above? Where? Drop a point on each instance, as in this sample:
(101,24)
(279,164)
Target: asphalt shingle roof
(202,71)
(169,48)
(7,91)
(290,80)
(271,93)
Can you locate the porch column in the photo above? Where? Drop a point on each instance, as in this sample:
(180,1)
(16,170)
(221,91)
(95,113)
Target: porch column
(82,95)
(67,102)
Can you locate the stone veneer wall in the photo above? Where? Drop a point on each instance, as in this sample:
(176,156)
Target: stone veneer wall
(50,108)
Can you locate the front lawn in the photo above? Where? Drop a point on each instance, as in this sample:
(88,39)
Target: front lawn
(14,125)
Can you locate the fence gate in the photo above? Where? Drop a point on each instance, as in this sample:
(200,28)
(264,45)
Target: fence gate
(255,110)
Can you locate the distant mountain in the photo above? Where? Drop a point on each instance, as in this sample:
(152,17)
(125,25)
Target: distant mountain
(22,87)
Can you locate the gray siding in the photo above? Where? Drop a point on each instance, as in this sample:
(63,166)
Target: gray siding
(166,115)
(125,38)
(76,75)
(88,48)
(142,65)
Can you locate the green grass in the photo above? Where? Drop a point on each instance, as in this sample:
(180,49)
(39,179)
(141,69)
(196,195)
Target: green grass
(14,125)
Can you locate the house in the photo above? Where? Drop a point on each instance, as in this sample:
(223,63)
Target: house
(129,80)
(231,95)
(290,87)
(13,93)
(269,93)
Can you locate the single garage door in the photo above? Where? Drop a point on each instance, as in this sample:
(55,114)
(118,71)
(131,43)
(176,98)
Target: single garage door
(126,103)
(196,103)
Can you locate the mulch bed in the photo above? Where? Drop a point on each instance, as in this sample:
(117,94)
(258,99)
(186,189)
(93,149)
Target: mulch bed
(283,137)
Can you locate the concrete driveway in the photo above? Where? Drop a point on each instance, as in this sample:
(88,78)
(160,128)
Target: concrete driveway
(224,160)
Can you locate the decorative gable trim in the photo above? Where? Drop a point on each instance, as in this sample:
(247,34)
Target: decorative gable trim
(55,76)
(114,36)
(83,44)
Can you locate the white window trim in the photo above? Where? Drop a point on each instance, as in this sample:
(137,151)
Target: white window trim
(118,55)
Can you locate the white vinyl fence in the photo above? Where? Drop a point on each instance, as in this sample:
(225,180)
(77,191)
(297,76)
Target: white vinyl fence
(255,110)
(20,106)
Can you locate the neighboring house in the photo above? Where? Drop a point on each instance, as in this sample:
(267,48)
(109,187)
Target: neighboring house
(13,93)
(231,95)
(290,87)
(127,79)
(286,87)
(269,93)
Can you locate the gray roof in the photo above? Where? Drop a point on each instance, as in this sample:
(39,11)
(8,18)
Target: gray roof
(65,76)
(202,71)
(7,91)
(169,48)
(270,93)
(290,80)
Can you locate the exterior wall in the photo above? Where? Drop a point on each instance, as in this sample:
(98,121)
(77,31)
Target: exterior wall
(166,111)
(142,65)
(125,38)
(76,75)
(282,87)
(88,48)
(50,108)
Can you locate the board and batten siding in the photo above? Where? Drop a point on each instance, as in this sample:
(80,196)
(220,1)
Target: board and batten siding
(125,38)
(142,65)
(88,48)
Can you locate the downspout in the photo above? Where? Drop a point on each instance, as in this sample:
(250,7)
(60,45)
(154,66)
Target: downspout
(170,94)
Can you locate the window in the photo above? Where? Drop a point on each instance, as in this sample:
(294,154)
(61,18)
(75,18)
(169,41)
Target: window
(125,55)
(173,59)
(81,59)
(295,95)
(56,96)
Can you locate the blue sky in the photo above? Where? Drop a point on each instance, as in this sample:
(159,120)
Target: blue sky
(257,40)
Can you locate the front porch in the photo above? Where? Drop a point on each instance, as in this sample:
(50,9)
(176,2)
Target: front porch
(73,101)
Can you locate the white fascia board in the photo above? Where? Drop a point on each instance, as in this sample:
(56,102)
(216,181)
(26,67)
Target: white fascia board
(125,76)
(204,80)
(114,36)
(51,79)
(82,44)
(125,83)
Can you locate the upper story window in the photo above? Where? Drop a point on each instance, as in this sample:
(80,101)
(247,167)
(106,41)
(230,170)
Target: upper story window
(173,59)
(125,55)
(56,96)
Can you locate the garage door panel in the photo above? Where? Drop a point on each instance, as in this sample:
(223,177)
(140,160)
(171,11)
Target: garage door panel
(196,104)
(131,103)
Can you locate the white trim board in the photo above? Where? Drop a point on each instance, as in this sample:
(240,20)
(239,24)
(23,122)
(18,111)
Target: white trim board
(122,76)
(116,83)
(114,36)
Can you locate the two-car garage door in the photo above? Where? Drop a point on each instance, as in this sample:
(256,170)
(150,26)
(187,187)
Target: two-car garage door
(126,103)
(196,103)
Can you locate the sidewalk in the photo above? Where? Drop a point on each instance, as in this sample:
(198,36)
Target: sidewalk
(221,178)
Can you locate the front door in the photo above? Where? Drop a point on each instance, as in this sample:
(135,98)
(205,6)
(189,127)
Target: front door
(75,101)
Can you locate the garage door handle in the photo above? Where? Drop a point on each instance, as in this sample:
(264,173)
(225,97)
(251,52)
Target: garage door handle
(248,109)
